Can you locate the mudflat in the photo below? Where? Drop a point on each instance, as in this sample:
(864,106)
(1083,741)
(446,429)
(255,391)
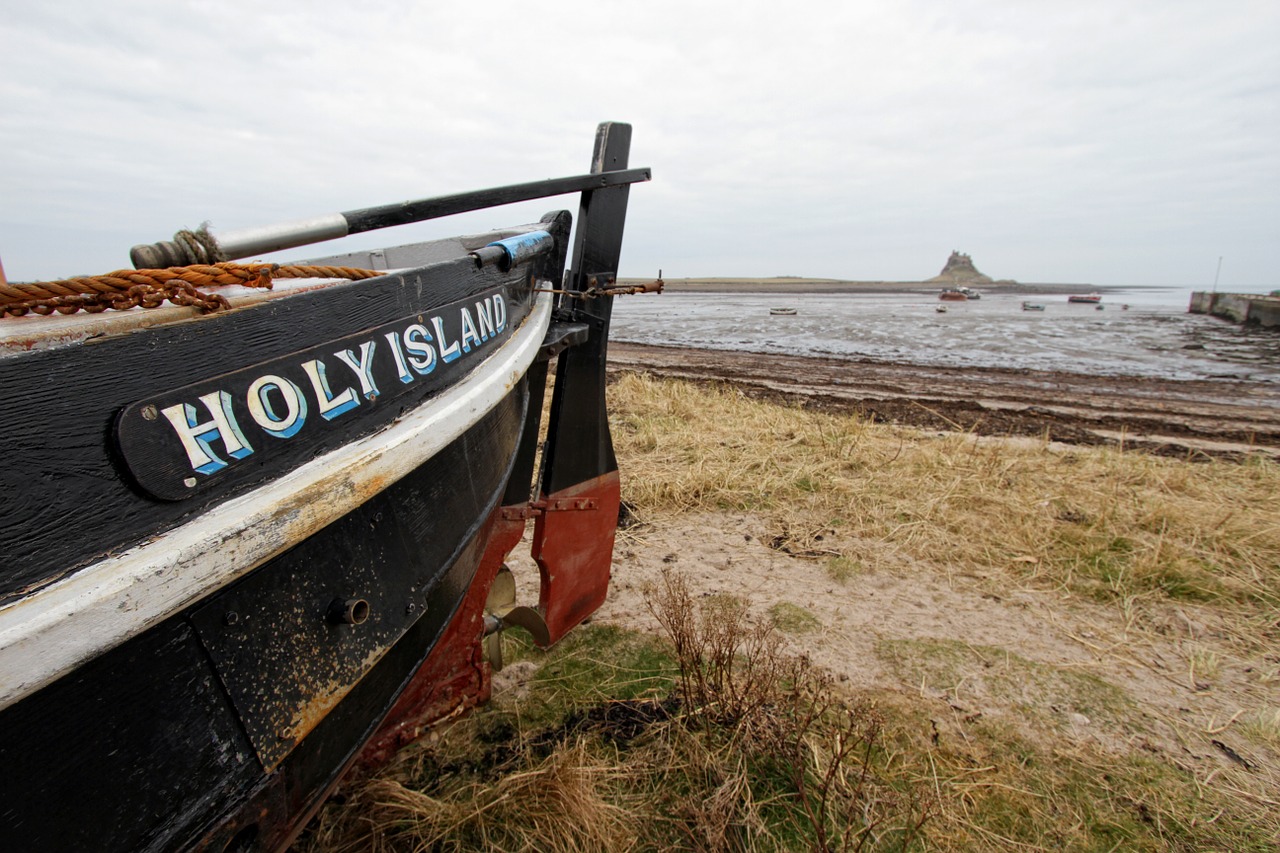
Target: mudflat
(1172,417)
(835,285)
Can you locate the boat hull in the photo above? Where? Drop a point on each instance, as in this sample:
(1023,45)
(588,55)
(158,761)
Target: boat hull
(248,551)
(192,658)
(195,719)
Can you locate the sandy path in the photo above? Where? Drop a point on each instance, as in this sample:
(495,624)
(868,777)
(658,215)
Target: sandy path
(1045,662)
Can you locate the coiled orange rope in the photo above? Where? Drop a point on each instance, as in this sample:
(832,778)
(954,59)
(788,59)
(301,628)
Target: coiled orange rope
(124,289)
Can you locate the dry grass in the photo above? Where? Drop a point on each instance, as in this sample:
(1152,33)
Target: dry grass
(1174,547)
(1106,523)
(558,803)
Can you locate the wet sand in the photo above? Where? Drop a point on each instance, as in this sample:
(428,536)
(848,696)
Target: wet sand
(831,285)
(1175,417)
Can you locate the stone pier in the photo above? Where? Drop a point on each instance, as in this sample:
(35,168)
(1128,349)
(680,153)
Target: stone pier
(1238,307)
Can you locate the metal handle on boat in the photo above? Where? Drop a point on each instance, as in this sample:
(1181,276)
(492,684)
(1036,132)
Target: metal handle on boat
(202,247)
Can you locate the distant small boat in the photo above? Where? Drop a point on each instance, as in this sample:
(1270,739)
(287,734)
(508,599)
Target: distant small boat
(952,295)
(969,292)
(1086,298)
(1099,306)
(1032,306)
(782,312)
(941,309)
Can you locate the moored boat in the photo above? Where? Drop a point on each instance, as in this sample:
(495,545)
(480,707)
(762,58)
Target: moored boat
(1032,306)
(1085,298)
(251,549)
(952,295)
(782,312)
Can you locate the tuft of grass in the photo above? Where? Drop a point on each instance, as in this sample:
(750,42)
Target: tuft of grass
(1203,664)
(540,771)
(793,619)
(1263,727)
(815,766)
(841,569)
(561,802)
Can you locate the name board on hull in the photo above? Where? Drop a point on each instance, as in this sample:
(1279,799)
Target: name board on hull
(268,418)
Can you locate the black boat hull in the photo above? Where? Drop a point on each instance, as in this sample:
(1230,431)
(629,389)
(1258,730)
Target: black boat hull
(245,552)
(148,728)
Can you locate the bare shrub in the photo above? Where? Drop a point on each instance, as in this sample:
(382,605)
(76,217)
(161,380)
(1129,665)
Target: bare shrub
(767,714)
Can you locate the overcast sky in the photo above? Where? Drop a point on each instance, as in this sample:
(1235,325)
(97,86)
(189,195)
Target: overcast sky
(1116,142)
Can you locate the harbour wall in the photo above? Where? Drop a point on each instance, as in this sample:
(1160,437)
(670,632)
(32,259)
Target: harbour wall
(1238,307)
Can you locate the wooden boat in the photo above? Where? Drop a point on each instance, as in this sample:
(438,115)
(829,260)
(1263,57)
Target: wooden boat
(782,312)
(1085,298)
(1032,306)
(952,295)
(249,550)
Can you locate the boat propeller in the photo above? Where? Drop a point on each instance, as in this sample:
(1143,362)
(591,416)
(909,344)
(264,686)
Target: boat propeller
(501,612)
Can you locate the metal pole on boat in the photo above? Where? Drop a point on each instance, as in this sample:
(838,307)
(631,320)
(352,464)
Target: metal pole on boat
(202,247)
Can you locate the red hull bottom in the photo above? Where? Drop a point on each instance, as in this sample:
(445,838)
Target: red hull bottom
(573,548)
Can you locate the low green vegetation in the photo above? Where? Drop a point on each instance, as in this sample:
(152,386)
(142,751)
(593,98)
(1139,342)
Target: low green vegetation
(1038,695)
(793,619)
(712,740)
(842,569)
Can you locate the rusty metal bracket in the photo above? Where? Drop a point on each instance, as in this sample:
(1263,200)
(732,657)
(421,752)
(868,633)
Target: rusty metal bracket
(560,336)
(533,509)
(605,284)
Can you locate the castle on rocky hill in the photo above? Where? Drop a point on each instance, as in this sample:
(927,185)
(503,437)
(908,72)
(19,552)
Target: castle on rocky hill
(960,270)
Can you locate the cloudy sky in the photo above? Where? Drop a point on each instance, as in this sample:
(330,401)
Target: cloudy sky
(1115,142)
